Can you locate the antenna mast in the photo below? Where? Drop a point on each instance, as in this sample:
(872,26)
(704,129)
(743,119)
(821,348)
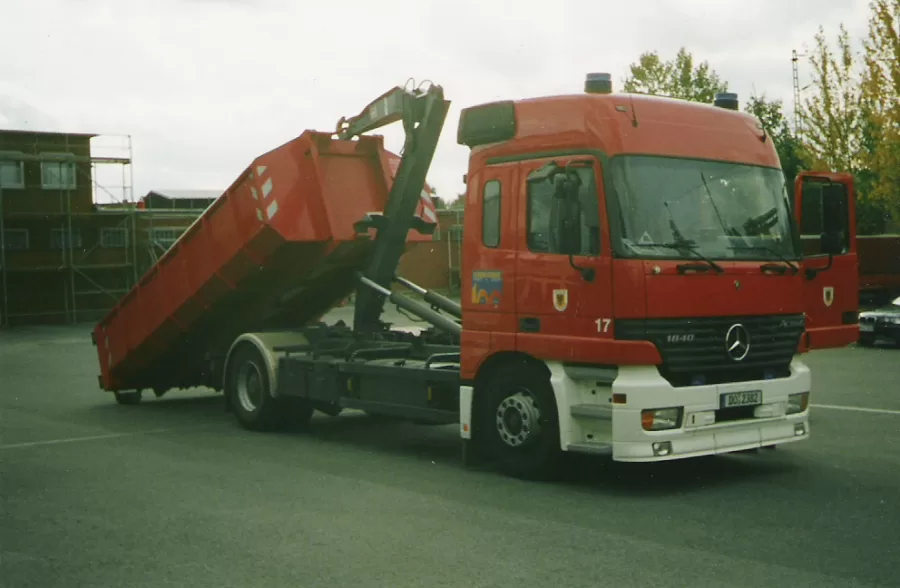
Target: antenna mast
(795,66)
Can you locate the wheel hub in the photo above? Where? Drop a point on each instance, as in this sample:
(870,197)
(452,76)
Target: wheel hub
(518,419)
(249,386)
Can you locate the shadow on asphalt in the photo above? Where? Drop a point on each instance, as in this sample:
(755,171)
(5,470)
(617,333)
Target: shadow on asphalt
(203,403)
(441,445)
(673,477)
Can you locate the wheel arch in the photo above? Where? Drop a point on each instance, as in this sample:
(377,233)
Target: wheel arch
(264,343)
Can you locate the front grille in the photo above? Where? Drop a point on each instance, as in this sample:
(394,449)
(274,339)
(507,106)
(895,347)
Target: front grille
(694,352)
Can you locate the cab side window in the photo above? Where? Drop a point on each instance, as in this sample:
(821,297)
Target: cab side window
(542,214)
(825,205)
(490,214)
(811,221)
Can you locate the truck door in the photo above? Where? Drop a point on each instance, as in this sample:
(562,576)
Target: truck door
(561,299)
(825,212)
(489,302)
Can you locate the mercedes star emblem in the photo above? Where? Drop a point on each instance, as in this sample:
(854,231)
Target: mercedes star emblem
(737,342)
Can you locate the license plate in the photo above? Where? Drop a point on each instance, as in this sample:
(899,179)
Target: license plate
(732,399)
(866,327)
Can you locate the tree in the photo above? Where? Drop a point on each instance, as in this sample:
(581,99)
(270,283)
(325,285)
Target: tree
(831,118)
(677,78)
(790,151)
(852,120)
(880,104)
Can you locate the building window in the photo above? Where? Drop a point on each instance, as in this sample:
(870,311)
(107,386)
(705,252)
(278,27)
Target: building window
(490,214)
(65,239)
(15,239)
(165,237)
(58,175)
(113,237)
(12,170)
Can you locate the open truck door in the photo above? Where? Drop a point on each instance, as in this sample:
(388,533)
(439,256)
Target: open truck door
(824,205)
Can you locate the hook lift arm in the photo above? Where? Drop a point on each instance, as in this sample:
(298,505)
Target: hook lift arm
(423,113)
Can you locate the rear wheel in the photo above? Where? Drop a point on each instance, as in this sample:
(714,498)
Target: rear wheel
(251,399)
(519,425)
(129,398)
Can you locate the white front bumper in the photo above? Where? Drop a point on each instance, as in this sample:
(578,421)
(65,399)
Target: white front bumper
(645,388)
(724,438)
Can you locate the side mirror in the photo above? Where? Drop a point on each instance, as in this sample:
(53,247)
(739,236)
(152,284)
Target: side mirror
(570,241)
(834,218)
(831,242)
(567,214)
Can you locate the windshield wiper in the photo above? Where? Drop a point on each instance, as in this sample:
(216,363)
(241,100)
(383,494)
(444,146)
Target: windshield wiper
(682,243)
(794,269)
(690,246)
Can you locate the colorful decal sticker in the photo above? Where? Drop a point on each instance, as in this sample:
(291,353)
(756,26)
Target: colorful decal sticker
(560,299)
(487,287)
(828,295)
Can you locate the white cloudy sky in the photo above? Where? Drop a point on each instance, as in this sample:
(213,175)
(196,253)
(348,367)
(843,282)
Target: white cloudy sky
(203,86)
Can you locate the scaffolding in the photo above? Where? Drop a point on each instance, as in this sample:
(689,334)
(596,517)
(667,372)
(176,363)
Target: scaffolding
(88,272)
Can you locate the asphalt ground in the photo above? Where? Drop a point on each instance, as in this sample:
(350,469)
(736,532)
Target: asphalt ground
(174,493)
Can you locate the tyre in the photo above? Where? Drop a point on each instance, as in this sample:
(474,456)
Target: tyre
(129,398)
(866,339)
(249,391)
(519,425)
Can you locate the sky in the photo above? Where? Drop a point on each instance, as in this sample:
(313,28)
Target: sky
(204,86)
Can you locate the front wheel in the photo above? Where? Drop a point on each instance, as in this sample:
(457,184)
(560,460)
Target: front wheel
(519,426)
(867,339)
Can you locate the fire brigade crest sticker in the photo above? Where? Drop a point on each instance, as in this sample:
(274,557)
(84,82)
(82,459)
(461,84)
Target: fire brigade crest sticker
(560,299)
(828,295)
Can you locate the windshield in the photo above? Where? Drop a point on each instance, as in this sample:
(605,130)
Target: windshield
(719,210)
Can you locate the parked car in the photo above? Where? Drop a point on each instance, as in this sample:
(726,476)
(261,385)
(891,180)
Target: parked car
(883,322)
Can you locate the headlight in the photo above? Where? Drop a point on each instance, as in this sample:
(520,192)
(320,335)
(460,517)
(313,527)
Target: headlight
(798,402)
(660,419)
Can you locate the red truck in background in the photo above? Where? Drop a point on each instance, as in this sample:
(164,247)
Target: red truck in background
(637,283)
(879,267)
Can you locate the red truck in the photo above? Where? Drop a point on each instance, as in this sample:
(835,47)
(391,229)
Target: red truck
(633,273)
(879,267)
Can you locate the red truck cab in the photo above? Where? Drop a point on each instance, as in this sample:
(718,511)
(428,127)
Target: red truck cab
(642,250)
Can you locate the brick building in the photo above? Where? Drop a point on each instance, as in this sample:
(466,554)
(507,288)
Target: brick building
(436,265)
(70,246)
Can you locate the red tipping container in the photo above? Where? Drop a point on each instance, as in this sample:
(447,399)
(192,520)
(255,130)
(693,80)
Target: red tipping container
(277,249)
